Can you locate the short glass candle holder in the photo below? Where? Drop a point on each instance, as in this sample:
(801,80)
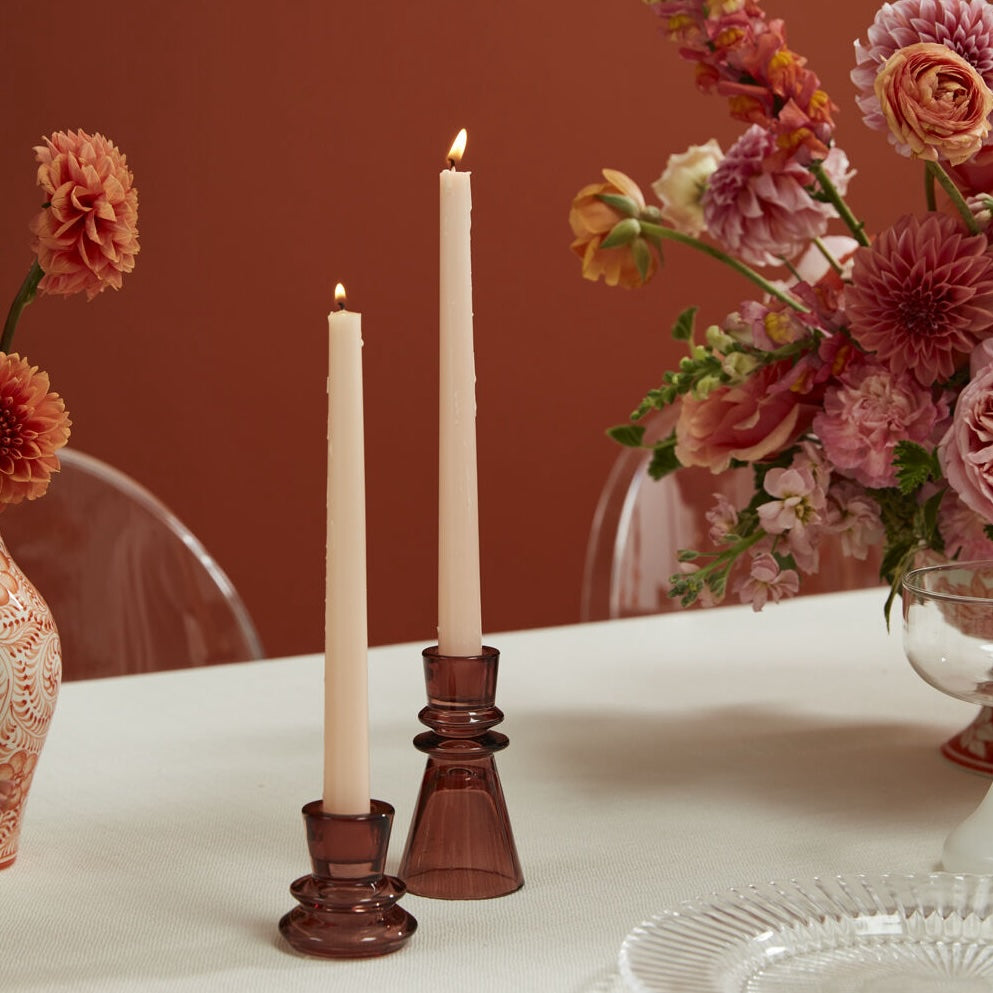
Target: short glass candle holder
(347,906)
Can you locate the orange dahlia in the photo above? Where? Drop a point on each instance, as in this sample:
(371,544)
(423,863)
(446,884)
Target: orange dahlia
(86,235)
(34,425)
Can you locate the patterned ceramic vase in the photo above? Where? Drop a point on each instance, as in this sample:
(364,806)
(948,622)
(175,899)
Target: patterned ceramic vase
(30,673)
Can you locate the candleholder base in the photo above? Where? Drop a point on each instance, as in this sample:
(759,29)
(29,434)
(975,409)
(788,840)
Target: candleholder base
(460,845)
(348,908)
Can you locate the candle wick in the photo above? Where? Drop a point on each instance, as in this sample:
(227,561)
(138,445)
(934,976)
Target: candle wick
(341,304)
(451,164)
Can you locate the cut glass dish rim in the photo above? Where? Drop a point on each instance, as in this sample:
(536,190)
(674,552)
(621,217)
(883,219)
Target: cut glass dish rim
(728,939)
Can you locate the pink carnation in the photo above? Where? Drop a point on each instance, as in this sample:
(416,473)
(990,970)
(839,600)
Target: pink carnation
(866,413)
(962,530)
(758,208)
(922,296)
(86,235)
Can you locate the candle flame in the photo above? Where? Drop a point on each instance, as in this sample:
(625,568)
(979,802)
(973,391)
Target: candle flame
(457,150)
(339,296)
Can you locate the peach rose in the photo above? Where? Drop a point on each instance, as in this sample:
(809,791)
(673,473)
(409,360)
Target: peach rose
(593,220)
(747,422)
(935,103)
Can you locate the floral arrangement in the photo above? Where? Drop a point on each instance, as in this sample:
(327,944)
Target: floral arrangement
(858,386)
(85,237)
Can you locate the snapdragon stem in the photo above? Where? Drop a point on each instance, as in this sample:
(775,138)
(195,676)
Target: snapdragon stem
(954,194)
(844,211)
(652,230)
(24,296)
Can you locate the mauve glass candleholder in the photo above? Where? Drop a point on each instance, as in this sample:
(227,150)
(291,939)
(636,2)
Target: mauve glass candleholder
(460,845)
(347,906)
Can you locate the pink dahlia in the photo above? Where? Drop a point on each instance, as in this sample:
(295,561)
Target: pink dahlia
(921,296)
(866,413)
(964,26)
(758,208)
(34,425)
(86,235)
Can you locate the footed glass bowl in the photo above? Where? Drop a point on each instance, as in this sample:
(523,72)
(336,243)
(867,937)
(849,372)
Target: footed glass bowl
(948,638)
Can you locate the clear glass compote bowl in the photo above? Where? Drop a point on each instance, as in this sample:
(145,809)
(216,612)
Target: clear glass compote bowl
(948,638)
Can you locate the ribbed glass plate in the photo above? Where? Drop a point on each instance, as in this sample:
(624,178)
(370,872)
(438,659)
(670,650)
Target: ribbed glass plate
(842,934)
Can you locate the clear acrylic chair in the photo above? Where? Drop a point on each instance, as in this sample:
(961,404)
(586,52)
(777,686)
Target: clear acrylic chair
(640,524)
(130,587)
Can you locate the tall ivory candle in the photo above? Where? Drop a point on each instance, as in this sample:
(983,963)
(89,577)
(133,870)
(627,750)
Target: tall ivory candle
(459,611)
(346,634)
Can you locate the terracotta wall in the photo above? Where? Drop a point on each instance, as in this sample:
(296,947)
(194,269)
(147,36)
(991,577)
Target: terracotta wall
(279,148)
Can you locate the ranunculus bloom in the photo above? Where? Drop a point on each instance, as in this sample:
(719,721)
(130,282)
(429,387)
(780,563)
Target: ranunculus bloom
(934,102)
(682,184)
(758,208)
(866,413)
(34,425)
(964,26)
(922,296)
(592,220)
(966,451)
(747,422)
(86,237)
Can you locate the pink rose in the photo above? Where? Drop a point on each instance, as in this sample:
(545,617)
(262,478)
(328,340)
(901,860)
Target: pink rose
(966,451)
(748,421)
(935,103)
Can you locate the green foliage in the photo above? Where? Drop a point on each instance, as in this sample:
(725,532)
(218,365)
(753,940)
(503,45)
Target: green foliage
(915,466)
(630,435)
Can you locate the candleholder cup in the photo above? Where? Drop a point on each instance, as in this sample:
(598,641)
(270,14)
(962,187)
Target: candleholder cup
(460,845)
(347,906)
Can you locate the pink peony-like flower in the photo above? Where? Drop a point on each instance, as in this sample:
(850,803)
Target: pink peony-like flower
(758,208)
(34,425)
(966,450)
(964,26)
(935,103)
(748,421)
(767,581)
(86,236)
(922,296)
(867,412)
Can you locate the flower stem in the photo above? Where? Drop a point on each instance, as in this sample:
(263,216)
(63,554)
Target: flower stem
(929,197)
(831,260)
(844,211)
(24,296)
(953,193)
(655,231)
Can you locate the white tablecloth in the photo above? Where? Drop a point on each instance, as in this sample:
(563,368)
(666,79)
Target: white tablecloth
(651,761)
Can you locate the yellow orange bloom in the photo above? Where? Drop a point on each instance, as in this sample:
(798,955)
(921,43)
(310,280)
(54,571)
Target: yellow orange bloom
(592,220)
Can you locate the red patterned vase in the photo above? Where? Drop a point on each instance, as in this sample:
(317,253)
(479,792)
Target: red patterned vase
(30,673)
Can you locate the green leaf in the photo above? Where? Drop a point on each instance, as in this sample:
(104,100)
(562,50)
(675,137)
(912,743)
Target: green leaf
(682,330)
(627,434)
(664,459)
(915,465)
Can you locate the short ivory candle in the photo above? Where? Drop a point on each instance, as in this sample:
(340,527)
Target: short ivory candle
(346,632)
(459,611)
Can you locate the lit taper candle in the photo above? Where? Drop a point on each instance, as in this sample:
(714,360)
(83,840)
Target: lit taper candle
(346,632)
(459,610)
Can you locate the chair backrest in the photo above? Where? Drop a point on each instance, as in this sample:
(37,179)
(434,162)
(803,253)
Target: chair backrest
(640,525)
(130,587)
